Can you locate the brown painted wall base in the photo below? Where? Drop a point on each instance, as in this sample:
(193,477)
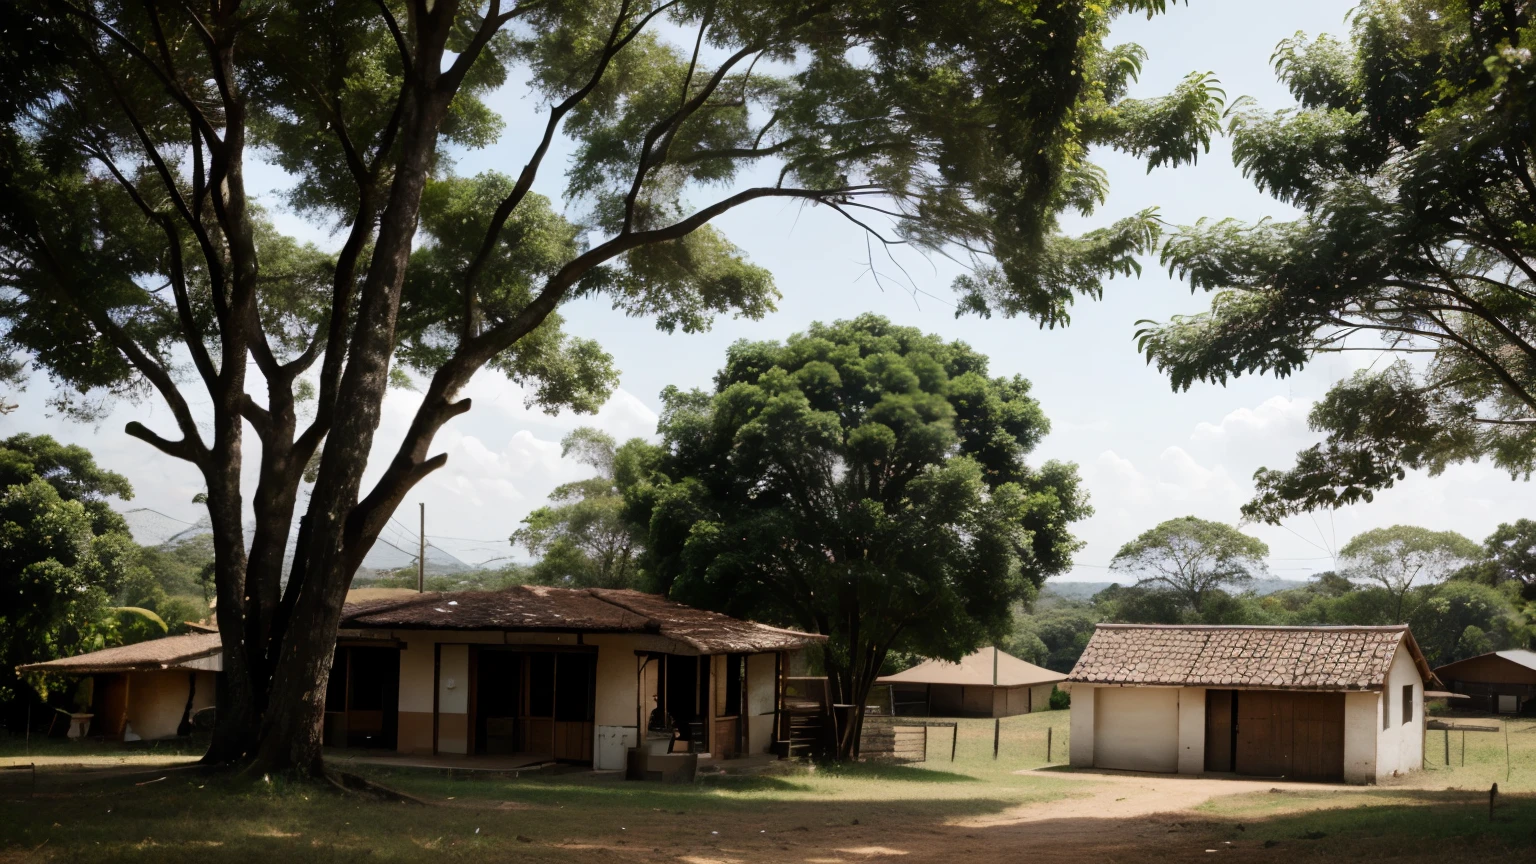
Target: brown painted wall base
(415,733)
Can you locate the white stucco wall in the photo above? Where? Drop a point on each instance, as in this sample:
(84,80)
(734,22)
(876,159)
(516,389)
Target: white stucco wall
(1080,754)
(1400,746)
(762,702)
(1362,721)
(453,699)
(1191,730)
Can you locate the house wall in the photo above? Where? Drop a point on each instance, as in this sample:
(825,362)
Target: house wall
(1400,746)
(614,715)
(453,699)
(1191,730)
(1362,720)
(1080,752)
(762,702)
(1040,697)
(157,700)
(415,706)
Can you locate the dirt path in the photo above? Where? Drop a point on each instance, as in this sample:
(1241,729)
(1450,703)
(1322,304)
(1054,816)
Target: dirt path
(1128,796)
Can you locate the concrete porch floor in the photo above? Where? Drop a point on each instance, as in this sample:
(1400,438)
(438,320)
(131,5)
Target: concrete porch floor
(341,757)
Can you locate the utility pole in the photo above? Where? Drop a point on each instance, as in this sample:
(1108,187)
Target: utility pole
(421,555)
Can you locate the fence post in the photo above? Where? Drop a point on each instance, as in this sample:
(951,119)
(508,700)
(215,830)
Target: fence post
(997,735)
(954,740)
(1447,748)
(1048,731)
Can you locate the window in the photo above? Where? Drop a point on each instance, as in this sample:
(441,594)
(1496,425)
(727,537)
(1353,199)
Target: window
(1386,711)
(1407,703)
(733,684)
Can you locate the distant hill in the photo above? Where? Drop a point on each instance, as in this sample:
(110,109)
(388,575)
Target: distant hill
(1084,591)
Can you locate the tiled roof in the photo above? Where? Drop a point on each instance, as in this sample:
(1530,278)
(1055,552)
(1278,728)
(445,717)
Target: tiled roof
(975,671)
(156,654)
(537,608)
(1278,658)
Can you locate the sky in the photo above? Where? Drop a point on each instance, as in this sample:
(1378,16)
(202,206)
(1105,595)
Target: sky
(1146,453)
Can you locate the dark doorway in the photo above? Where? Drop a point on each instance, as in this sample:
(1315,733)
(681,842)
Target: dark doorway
(1295,735)
(362,697)
(1220,726)
(498,695)
(539,702)
(687,687)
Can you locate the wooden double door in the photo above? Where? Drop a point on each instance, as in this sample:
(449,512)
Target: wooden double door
(1275,733)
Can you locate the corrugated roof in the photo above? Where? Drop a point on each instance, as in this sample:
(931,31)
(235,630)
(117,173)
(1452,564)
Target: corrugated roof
(538,608)
(1519,657)
(1278,658)
(156,654)
(975,670)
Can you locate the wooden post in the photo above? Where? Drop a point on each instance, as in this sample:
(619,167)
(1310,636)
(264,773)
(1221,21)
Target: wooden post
(1506,751)
(1463,748)
(421,554)
(1048,731)
(954,740)
(1447,748)
(1493,795)
(997,734)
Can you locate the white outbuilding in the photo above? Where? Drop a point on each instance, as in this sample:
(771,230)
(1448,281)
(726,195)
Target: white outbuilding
(1303,703)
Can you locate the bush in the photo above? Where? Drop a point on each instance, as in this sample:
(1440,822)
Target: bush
(1060,699)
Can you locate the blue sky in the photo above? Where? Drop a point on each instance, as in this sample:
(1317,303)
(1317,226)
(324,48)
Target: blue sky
(1146,453)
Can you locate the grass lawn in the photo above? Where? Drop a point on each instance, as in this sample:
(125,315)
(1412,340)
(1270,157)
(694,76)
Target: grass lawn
(963,810)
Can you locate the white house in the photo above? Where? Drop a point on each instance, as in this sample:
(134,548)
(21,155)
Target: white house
(1304,703)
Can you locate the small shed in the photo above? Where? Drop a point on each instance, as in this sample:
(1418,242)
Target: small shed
(939,688)
(1300,703)
(146,690)
(1503,681)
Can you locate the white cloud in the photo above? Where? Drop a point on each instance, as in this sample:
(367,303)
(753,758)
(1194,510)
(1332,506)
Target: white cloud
(1276,415)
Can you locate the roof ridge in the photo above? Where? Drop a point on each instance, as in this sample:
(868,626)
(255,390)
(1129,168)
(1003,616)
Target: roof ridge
(1296,627)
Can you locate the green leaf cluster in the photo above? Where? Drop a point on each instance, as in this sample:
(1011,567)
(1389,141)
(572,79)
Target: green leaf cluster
(1410,156)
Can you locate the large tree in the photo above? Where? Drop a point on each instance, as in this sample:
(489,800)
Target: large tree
(134,261)
(1401,556)
(1191,557)
(864,481)
(1411,157)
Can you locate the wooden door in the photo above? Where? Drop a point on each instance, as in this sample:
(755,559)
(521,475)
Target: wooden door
(1318,736)
(1219,722)
(1294,735)
(1263,733)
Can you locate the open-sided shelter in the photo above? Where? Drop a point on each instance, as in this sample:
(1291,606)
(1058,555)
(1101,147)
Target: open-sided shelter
(146,690)
(987,683)
(573,674)
(1305,703)
(1503,681)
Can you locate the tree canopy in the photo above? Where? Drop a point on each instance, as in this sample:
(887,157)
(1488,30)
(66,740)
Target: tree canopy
(1191,557)
(134,260)
(64,554)
(1398,557)
(583,539)
(864,481)
(1410,155)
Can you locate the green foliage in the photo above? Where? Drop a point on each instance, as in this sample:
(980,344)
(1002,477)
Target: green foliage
(1511,555)
(1061,700)
(1191,557)
(584,540)
(1398,557)
(1052,637)
(864,481)
(64,553)
(1410,155)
